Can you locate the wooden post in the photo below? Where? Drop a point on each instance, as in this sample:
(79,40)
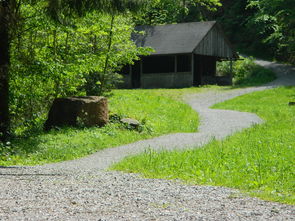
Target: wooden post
(193,68)
(231,70)
(214,66)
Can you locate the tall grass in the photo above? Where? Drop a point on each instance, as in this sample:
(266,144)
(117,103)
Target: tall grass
(159,111)
(259,160)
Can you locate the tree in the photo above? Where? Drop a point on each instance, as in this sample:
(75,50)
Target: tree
(274,23)
(59,11)
(263,28)
(50,60)
(176,11)
(7,11)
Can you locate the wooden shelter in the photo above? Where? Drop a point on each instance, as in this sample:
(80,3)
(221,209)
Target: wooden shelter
(185,55)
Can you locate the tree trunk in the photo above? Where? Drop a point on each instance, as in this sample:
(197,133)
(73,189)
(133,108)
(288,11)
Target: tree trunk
(4,70)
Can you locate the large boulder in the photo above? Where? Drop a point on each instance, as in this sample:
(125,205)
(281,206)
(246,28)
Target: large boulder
(88,111)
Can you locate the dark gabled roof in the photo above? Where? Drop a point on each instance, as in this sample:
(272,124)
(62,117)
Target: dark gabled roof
(172,39)
(204,38)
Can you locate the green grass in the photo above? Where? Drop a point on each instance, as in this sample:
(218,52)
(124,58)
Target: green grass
(259,160)
(258,76)
(160,111)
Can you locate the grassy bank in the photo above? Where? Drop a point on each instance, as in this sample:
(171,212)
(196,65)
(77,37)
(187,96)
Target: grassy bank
(159,111)
(259,160)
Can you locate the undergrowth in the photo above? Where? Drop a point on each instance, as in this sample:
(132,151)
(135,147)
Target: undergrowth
(246,72)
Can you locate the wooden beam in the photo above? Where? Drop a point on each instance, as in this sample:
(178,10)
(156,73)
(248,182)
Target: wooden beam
(193,67)
(215,61)
(231,70)
(231,67)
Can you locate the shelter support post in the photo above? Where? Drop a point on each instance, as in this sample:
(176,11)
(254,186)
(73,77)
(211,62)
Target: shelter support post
(193,67)
(231,69)
(231,66)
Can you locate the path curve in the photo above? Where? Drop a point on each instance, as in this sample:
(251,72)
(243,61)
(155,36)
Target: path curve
(83,190)
(214,123)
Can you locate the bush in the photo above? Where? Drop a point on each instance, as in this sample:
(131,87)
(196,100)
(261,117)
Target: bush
(246,72)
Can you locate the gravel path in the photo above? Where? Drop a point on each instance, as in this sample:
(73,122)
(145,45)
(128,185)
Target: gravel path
(83,190)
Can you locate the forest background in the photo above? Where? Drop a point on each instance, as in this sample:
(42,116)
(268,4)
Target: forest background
(83,55)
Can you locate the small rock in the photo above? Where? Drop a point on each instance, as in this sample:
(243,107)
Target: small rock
(131,122)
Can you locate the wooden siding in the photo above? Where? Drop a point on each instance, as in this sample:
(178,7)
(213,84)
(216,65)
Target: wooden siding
(215,44)
(167,80)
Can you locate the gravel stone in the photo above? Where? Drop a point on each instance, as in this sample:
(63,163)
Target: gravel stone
(83,190)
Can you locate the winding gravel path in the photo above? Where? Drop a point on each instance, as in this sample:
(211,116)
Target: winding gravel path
(83,190)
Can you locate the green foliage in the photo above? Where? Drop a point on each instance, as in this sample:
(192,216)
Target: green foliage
(157,117)
(264,28)
(99,83)
(175,11)
(50,60)
(61,10)
(274,21)
(246,72)
(259,160)
(17,18)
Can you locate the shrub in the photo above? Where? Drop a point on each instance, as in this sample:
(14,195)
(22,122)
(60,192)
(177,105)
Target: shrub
(246,72)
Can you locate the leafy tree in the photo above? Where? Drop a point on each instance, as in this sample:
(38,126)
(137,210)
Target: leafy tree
(264,27)
(176,11)
(61,11)
(274,22)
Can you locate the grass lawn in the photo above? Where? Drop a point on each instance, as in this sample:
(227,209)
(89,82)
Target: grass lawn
(259,160)
(160,111)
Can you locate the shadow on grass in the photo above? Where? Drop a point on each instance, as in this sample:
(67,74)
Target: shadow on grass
(30,143)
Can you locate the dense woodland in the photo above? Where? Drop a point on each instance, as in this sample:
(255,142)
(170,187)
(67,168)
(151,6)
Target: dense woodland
(54,48)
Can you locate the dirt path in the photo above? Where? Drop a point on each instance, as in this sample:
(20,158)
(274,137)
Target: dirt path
(81,189)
